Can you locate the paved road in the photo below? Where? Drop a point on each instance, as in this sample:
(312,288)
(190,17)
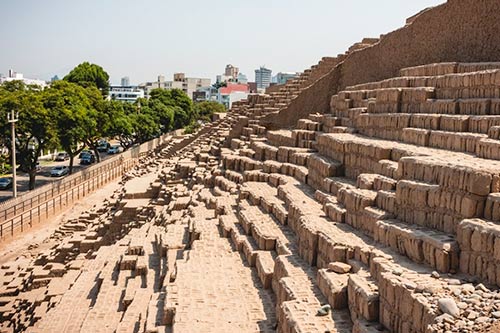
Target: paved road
(43,176)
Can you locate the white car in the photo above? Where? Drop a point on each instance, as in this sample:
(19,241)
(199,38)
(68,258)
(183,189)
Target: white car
(63,156)
(59,171)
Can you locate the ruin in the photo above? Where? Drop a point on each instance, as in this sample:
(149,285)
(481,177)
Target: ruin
(371,183)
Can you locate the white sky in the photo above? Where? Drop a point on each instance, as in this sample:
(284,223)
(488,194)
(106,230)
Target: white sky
(142,39)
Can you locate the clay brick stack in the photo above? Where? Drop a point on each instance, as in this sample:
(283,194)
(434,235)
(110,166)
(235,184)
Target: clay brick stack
(377,195)
(259,105)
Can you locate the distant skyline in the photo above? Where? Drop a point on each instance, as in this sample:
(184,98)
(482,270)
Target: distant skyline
(142,40)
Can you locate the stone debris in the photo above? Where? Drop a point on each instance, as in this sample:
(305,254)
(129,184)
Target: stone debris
(339,267)
(324,310)
(448,306)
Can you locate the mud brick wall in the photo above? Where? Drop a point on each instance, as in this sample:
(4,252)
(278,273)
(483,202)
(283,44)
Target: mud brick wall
(431,37)
(457,31)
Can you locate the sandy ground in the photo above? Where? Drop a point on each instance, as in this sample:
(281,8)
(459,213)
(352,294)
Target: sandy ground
(34,240)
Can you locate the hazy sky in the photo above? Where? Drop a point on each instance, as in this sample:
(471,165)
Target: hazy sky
(144,38)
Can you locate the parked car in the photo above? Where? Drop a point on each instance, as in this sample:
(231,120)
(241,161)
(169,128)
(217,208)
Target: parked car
(85,151)
(87,158)
(103,146)
(5,183)
(114,149)
(62,156)
(59,171)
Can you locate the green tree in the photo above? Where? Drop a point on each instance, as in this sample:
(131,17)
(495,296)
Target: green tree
(120,123)
(69,106)
(181,105)
(164,114)
(191,128)
(5,166)
(98,120)
(144,125)
(182,118)
(35,130)
(218,85)
(90,75)
(205,110)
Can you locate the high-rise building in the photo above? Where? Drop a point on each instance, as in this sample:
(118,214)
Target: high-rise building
(263,77)
(125,81)
(242,78)
(232,71)
(282,77)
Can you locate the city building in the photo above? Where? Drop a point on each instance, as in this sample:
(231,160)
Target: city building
(125,81)
(173,85)
(231,71)
(160,83)
(190,84)
(205,94)
(282,77)
(187,84)
(14,76)
(263,77)
(222,78)
(232,93)
(242,78)
(125,93)
(232,75)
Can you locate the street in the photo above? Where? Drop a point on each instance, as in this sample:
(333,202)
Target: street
(43,176)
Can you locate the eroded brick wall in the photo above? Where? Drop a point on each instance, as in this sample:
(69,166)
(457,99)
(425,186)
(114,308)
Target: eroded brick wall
(459,30)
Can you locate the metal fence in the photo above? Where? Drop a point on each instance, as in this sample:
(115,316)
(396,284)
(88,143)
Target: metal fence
(45,201)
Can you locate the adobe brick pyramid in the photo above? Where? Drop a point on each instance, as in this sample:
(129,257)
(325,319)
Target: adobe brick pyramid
(378,195)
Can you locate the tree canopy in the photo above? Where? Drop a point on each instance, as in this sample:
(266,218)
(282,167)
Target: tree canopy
(205,110)
(178,102)
(35,129)
(89,75)
(73,114)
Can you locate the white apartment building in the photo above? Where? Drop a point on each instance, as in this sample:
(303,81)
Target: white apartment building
(125,93)
(187,84)
(160,83)
(190,84)
(14,76)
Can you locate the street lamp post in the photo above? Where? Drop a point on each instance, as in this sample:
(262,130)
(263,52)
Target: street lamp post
(13,118)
